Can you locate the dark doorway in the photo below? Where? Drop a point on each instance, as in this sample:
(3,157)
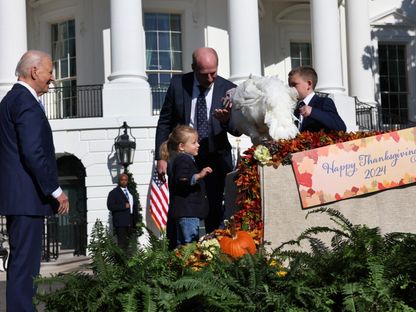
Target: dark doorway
(72,228)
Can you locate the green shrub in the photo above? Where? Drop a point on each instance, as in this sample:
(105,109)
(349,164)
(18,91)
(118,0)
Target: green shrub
(358,270)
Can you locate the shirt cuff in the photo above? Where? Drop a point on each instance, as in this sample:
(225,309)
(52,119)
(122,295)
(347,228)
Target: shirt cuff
(57,192)
(193,179)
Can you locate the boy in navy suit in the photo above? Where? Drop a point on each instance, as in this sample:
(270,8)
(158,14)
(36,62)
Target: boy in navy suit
(315,113)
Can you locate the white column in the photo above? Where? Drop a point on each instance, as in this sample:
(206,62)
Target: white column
(13,37)
(127,44)
(326,45)
(245,60)
(127,93)
(360,56)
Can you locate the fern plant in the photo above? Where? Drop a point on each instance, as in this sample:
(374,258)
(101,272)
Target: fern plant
(358,269)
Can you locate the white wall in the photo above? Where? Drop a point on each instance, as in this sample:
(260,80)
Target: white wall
(204,22)
(91,140)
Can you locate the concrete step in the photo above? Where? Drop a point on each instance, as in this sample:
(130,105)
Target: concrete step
(66,264)
(66,256)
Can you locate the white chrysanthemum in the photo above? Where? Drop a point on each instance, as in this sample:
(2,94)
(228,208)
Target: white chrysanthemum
(210,247)
(262,154)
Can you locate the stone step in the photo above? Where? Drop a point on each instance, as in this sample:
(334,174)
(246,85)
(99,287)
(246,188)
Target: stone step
(66,256)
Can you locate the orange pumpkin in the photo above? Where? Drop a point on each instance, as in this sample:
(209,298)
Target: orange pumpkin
(238,245)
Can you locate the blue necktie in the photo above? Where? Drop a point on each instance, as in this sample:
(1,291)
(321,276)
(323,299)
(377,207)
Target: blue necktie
(201,114)
(128,199)
(41,105)
(297,114)
(127,194)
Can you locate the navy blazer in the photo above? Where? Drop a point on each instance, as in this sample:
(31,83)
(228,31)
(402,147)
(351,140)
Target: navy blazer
(324,116)
(116,203)
(28,166)
(186,200)
(176,110)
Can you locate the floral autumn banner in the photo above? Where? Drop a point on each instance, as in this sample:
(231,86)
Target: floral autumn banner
(357,167)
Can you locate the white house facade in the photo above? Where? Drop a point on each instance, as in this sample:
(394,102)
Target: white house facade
(113,60)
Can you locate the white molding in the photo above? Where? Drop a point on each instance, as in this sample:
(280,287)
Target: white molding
(392,17)
(38,3)
(285,15)
(102,123)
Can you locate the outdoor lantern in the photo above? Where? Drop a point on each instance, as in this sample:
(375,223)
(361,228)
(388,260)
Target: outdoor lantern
(125,147)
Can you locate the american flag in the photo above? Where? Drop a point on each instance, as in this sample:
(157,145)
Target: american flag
(159,201)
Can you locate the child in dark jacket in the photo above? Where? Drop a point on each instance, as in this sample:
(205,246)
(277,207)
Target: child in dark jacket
(188,202)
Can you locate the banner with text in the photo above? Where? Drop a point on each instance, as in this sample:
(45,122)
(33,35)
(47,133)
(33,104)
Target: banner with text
(357,167)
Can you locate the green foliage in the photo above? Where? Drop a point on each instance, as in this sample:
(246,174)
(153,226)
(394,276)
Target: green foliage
(357,269)
(360,270)
(132,186)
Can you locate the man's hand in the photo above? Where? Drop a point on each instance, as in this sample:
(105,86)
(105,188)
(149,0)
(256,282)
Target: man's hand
(223,115)
(63,204)
(161,167)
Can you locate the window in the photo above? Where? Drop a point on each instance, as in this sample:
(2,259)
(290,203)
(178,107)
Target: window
(300,54)
(64,65)
(393,83)
(163,52)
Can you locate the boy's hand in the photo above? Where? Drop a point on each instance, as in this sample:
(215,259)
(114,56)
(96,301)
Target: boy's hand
(204,172)
(305,111)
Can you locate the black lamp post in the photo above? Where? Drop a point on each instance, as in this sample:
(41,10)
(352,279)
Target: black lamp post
(125,147)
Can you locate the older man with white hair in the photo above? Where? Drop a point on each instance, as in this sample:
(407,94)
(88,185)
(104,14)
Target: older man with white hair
(29,188)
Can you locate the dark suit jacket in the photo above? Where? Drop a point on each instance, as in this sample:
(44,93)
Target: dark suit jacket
(176,110)
(186,200)
(324,116)
(27,156)
(116,203)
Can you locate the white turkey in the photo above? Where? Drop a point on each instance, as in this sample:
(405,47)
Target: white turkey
(262,108)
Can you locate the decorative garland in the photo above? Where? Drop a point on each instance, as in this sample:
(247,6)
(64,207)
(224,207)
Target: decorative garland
(274,153)
(132,186)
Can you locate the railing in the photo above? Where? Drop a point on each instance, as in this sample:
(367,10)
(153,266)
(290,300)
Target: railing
(371,118)
(50,243)
(4,254)
(390,122)
(3,229)
(80,236)
(66,233)
(50,238)
(365,115)
(73,102)
(158,97)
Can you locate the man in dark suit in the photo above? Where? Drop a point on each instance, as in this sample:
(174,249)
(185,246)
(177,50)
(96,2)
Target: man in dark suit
(123,206)
(315,113)
(29,188)
(194,94)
